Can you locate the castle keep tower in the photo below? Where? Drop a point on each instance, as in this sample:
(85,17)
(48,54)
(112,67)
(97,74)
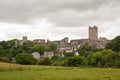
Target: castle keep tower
(93,33)
(23,40)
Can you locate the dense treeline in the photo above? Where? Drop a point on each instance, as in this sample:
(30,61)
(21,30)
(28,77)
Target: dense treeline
(88,56)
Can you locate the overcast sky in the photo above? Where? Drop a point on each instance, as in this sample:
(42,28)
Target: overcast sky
(56,19)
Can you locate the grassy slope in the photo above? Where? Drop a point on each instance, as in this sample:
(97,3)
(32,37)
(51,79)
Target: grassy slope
(22,72)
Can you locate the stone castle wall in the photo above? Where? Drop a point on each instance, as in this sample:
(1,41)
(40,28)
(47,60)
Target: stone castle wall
(65,45)
(93,33)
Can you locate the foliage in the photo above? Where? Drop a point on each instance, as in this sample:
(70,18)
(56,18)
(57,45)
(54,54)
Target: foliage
(39,48)
(55,58)
(4,59)
(98,59)
(27,46)
(25,58)
(113,60)
(2,51)
(10,48)
(114,44)
(51,47)
(45,61)
(88,56)
(57,61)
(68,54)
(85,50)
(75,61)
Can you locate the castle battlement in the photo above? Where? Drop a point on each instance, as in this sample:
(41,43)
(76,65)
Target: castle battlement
(93,33)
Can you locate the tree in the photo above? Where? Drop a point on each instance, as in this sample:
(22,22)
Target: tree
(51,47)
(113,60)
(2,51)
(39,48)
(98,59)
(8,48)
(27,46)
(75,61)
(4,44)
(25,58)
(114,44)
(85,50)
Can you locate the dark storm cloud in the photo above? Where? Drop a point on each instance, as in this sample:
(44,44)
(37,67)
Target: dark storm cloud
(60,12)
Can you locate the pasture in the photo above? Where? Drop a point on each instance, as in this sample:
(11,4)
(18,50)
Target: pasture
(35,72)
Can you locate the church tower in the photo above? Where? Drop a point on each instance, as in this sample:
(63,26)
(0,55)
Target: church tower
(93,33)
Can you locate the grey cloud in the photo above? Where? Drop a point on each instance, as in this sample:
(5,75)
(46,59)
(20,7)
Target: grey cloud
(106,12)
(60,12)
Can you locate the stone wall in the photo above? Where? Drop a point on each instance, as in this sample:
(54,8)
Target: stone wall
(93,33)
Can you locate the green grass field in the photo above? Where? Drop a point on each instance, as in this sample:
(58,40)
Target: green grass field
(23,72)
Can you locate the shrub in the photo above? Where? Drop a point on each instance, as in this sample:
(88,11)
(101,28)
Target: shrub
(25,58)
(45,61)
(4,59)
(57,63)
(55,58)
(113,60)
(75,61)
(98,59)
(68,54)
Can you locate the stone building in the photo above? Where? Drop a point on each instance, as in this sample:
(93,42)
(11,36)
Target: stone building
(23,40)
(93,33)
(93,40)
(36,55)
(41,41)
(77,42)
(65,45)
(48,54)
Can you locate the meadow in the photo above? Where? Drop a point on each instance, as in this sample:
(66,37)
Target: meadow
(35,72)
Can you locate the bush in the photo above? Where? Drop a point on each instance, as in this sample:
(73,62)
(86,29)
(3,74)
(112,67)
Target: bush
(113,60)
(98,59)
(55,58)
(4,59)
(25,58)
(68,54)
(75,61)
(57,63)
(45,61)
